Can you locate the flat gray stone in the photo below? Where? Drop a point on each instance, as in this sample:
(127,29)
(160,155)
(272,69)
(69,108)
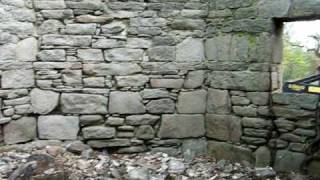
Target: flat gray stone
(288,161)
(126,103)
(193,102)
(132,81)
(167,83)
(90,55)
(27,49)
(43,101)
(81,29)
(161,106)
(146,119)
(145,132)
(66,40)
(58,127)
(83,103)
(162,53)
(52,55)
(181,126)
(20,131)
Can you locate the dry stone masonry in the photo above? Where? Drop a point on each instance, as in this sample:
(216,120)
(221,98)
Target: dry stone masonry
(157,75)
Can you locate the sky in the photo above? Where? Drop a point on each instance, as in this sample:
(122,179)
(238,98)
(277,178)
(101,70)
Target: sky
(300,31)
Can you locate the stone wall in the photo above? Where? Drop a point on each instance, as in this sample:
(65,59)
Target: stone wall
(159,75)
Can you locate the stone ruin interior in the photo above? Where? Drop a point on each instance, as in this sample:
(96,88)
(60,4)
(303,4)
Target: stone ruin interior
(155,75)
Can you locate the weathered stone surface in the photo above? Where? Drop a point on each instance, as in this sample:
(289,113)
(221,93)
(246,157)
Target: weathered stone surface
(257,123)
(145,132)
(218,102)
(222,150)
(190,50)
(81,29)
(83,103)
(66,40)
(132,81)
(58,127)
(181,126)
(56,4)
(43,102)
(90,55)
(123,54)
(17,79)
(193,102)
(50,27)
(161,106)
(188,24)
(288,161)
(249,111)
(162,53)
(115,121)
(259,98)
(111,69)
(52,55)
(27,49)
(21,130)
(98,132)
(87,18)
(86,120)
(167,83)
(146,22)
(197,147)
(146,119)
(304,101)
(72,77)
(223,127)
(154,94)
(126,103)
(94,82)
(242,80)
(194,79)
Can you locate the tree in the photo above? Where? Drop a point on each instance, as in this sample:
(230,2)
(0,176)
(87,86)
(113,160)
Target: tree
(297,62)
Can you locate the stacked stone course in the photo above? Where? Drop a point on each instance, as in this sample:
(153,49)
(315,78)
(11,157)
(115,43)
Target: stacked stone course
(159,75)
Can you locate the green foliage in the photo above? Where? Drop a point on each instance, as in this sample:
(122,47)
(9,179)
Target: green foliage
(297,63)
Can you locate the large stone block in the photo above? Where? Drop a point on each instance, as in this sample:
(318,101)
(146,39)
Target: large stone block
(218,101)
(241,80)
(223,127)
(17,79)
(188,24)
(126,103)
(58,127)
(43,102)
(190,50)
(193,102)
(98,132)
(83,103)
(182,126)
(288,161)
(124,54)
(21,130)
(226,151)
(146,119)
(304,101)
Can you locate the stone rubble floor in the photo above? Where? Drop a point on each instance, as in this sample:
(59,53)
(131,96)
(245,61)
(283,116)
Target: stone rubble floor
(53,161)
